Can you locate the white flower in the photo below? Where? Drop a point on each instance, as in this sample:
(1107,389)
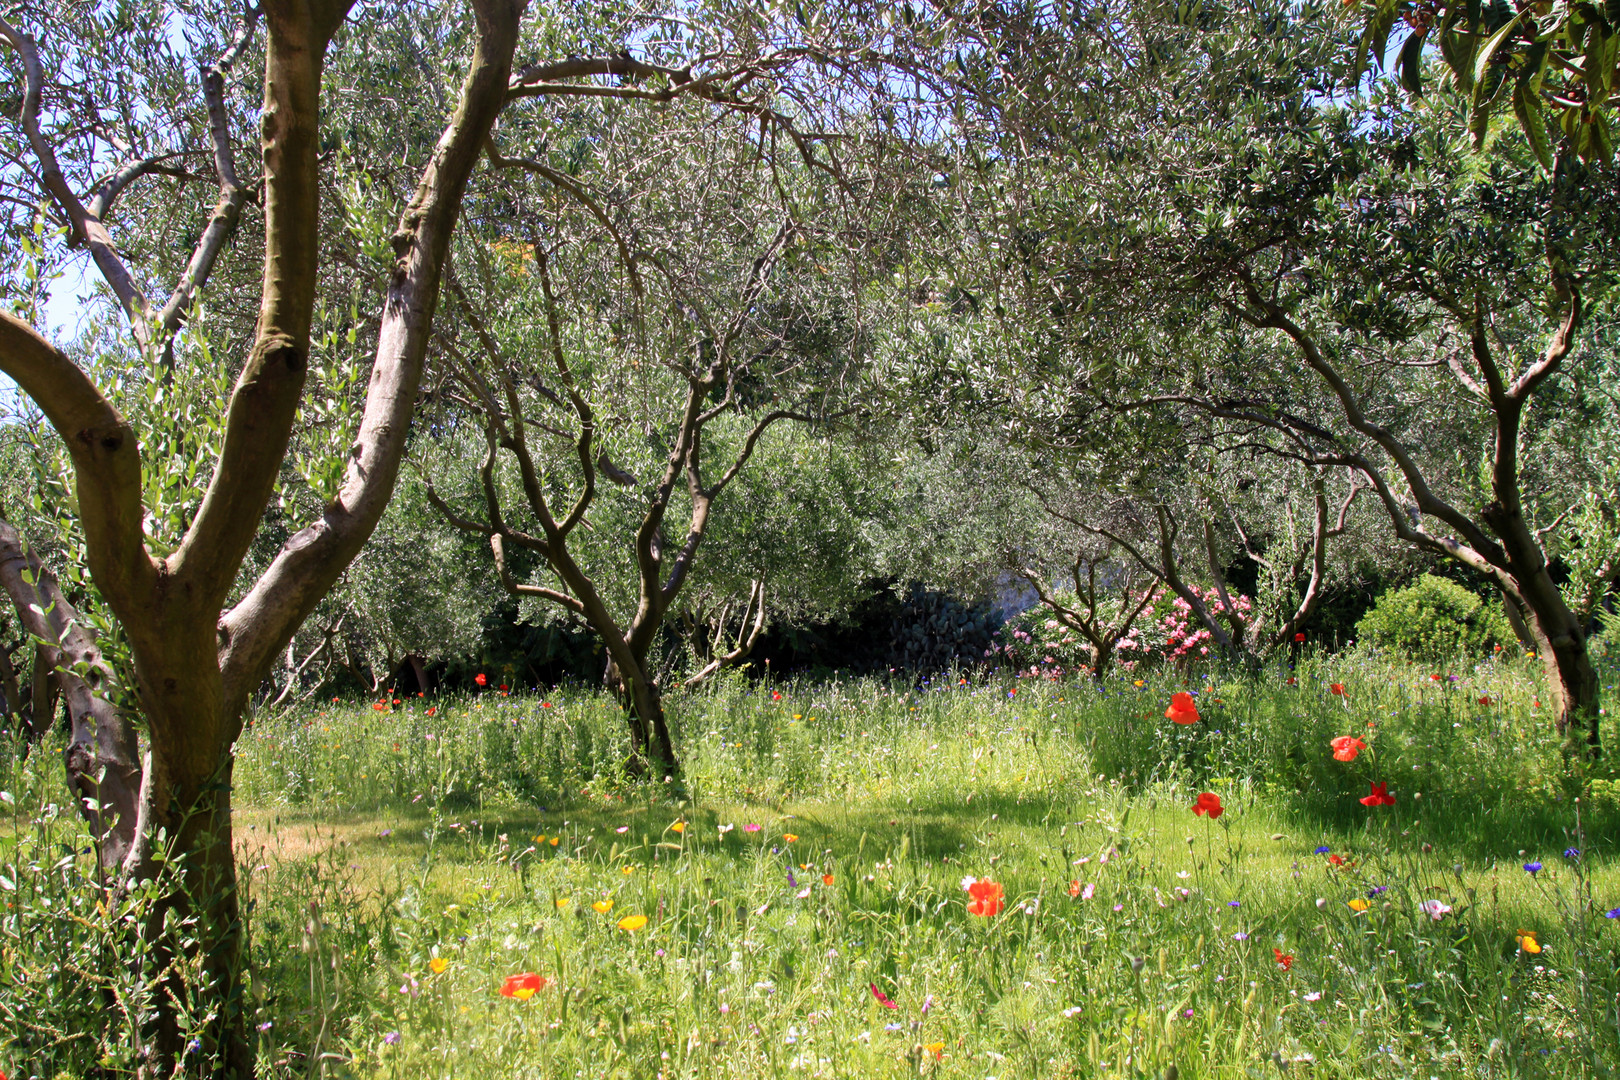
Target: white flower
(726,828)
(968,882)
(1314,995)
(1435,909)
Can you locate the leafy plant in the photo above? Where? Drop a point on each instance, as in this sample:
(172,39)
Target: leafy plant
(1435,619)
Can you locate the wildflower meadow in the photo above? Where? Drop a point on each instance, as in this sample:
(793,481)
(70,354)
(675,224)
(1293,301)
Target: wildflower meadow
(1347,868)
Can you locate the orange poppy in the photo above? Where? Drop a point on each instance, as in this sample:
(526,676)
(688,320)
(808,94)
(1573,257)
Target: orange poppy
(826,879)
(987,898)
(1346,747)
(1337,689)
(1182,710)
(1209,803)
(1379,797)
(1074,888)
(524,986)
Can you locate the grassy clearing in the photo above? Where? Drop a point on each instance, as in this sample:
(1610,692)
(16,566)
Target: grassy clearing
(401,865)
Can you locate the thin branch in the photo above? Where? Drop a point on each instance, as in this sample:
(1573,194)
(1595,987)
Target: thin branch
(86,228)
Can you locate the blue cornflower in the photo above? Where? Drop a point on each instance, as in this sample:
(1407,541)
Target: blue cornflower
(1532,868)
(1376,889)
(1232,903)
(1323,850)
(1573,853)
(1612,913)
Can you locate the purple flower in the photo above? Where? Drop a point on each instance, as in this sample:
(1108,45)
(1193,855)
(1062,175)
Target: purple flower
(1240,936)
(1234,903)
(792,884)
(392,1038)
(264,1027)
(1532,868)
(1572,854)
(1612,913)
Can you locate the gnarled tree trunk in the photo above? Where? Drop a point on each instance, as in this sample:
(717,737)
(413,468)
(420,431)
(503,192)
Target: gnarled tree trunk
(103,752)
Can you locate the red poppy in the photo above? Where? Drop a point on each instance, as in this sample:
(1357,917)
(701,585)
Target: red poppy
(379,706)
(987,898)
(883,1001)
(1284,960)
(505,687)
(1337,689)
(432,709)
(524,986)
(1209,803)
(1299,637)
(1292,681)
(1485,699)
(1346,747)
(1379,797)
(1436,678)
(1337,860)
(1182,710)
(481,679)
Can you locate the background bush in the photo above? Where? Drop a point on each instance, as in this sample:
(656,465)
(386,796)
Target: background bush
(1435,619)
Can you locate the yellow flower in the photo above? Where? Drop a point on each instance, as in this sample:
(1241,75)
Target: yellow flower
(540,839)
(632,922)
(678,827)
(1527,941)
(1139,682)
(562,903)
(791,838)
(629,870)
(937,1049)
(553,841)
(798,716)
(604,906)
(438,964)
(1358,905)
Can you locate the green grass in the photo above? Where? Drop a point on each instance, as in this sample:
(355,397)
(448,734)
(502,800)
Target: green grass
(374,842)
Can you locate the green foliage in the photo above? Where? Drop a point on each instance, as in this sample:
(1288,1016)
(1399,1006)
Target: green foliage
(935,632)
(1435,619)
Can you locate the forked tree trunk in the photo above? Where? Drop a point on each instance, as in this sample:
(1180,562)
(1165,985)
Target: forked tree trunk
(197,661)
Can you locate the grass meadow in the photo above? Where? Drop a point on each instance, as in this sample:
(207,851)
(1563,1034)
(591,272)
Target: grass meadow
(797,908)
